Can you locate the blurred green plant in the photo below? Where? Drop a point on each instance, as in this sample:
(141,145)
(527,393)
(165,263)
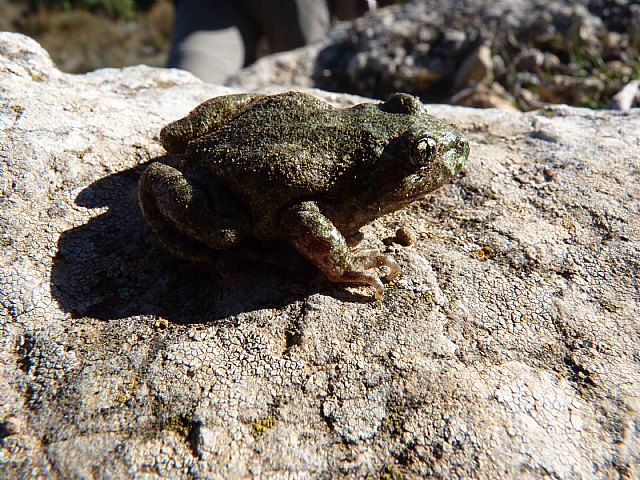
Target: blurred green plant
(588,62)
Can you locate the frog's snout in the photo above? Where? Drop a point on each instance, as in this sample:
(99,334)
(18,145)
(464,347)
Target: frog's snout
(457,153)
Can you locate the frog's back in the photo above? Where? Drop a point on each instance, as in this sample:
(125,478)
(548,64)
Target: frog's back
(287,147)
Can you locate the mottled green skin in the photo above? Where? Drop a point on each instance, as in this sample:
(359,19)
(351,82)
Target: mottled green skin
(292,167)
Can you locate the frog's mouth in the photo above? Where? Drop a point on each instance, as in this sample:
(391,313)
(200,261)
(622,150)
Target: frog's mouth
(426,180)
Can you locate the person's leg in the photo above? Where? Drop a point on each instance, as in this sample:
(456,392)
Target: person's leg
(289,24)
(212,39)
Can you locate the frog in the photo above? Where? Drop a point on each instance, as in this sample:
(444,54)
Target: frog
(252,168)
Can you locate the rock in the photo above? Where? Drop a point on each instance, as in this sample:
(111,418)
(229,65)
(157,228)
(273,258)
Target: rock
(508,344)
(404,236)
(476,68)
(565,88)
(10,426)
(482,96)
(534,60)
(440,49)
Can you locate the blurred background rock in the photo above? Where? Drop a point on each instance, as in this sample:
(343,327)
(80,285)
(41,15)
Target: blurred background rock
(517,54)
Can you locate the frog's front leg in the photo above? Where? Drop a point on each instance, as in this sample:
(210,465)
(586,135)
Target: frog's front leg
(188,220)
(316,238)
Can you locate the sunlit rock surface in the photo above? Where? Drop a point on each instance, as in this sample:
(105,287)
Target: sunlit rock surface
(509,346)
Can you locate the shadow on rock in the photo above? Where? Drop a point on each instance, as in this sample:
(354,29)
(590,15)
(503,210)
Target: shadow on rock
(112,267)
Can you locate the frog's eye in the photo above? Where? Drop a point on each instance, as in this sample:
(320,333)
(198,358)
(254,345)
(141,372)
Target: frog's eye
(425,149)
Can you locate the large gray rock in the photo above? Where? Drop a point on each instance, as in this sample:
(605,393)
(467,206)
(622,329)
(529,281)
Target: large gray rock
(509,347)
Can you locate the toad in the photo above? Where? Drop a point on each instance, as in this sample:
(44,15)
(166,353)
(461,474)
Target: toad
(290,167)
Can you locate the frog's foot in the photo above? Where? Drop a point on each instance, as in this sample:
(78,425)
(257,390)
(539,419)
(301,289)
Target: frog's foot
(316,238)
(371,258)
(183,217)
(357,271)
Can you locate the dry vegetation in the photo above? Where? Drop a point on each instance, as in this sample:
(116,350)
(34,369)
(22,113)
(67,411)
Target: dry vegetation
(80,41)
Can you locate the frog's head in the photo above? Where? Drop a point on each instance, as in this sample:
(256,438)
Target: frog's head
(425,153)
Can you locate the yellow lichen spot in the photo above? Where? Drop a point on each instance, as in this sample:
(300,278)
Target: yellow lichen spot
(162,323)
(392,473)
(263,424)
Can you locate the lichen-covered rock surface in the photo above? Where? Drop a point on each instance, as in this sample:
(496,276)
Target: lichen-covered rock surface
(509,346)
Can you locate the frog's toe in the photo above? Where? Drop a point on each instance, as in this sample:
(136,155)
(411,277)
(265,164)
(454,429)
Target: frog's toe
(357,276)
(393,267)
(377,285)
(362,263)
(377,261)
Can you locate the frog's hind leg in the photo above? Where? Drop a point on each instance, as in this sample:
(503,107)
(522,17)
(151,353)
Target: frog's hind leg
(205,118)
(169,237)
(188,222)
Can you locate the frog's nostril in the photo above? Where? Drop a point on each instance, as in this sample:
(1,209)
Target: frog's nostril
(462,148)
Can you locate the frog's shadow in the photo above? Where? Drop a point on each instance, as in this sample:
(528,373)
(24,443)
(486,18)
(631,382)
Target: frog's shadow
(112,267)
